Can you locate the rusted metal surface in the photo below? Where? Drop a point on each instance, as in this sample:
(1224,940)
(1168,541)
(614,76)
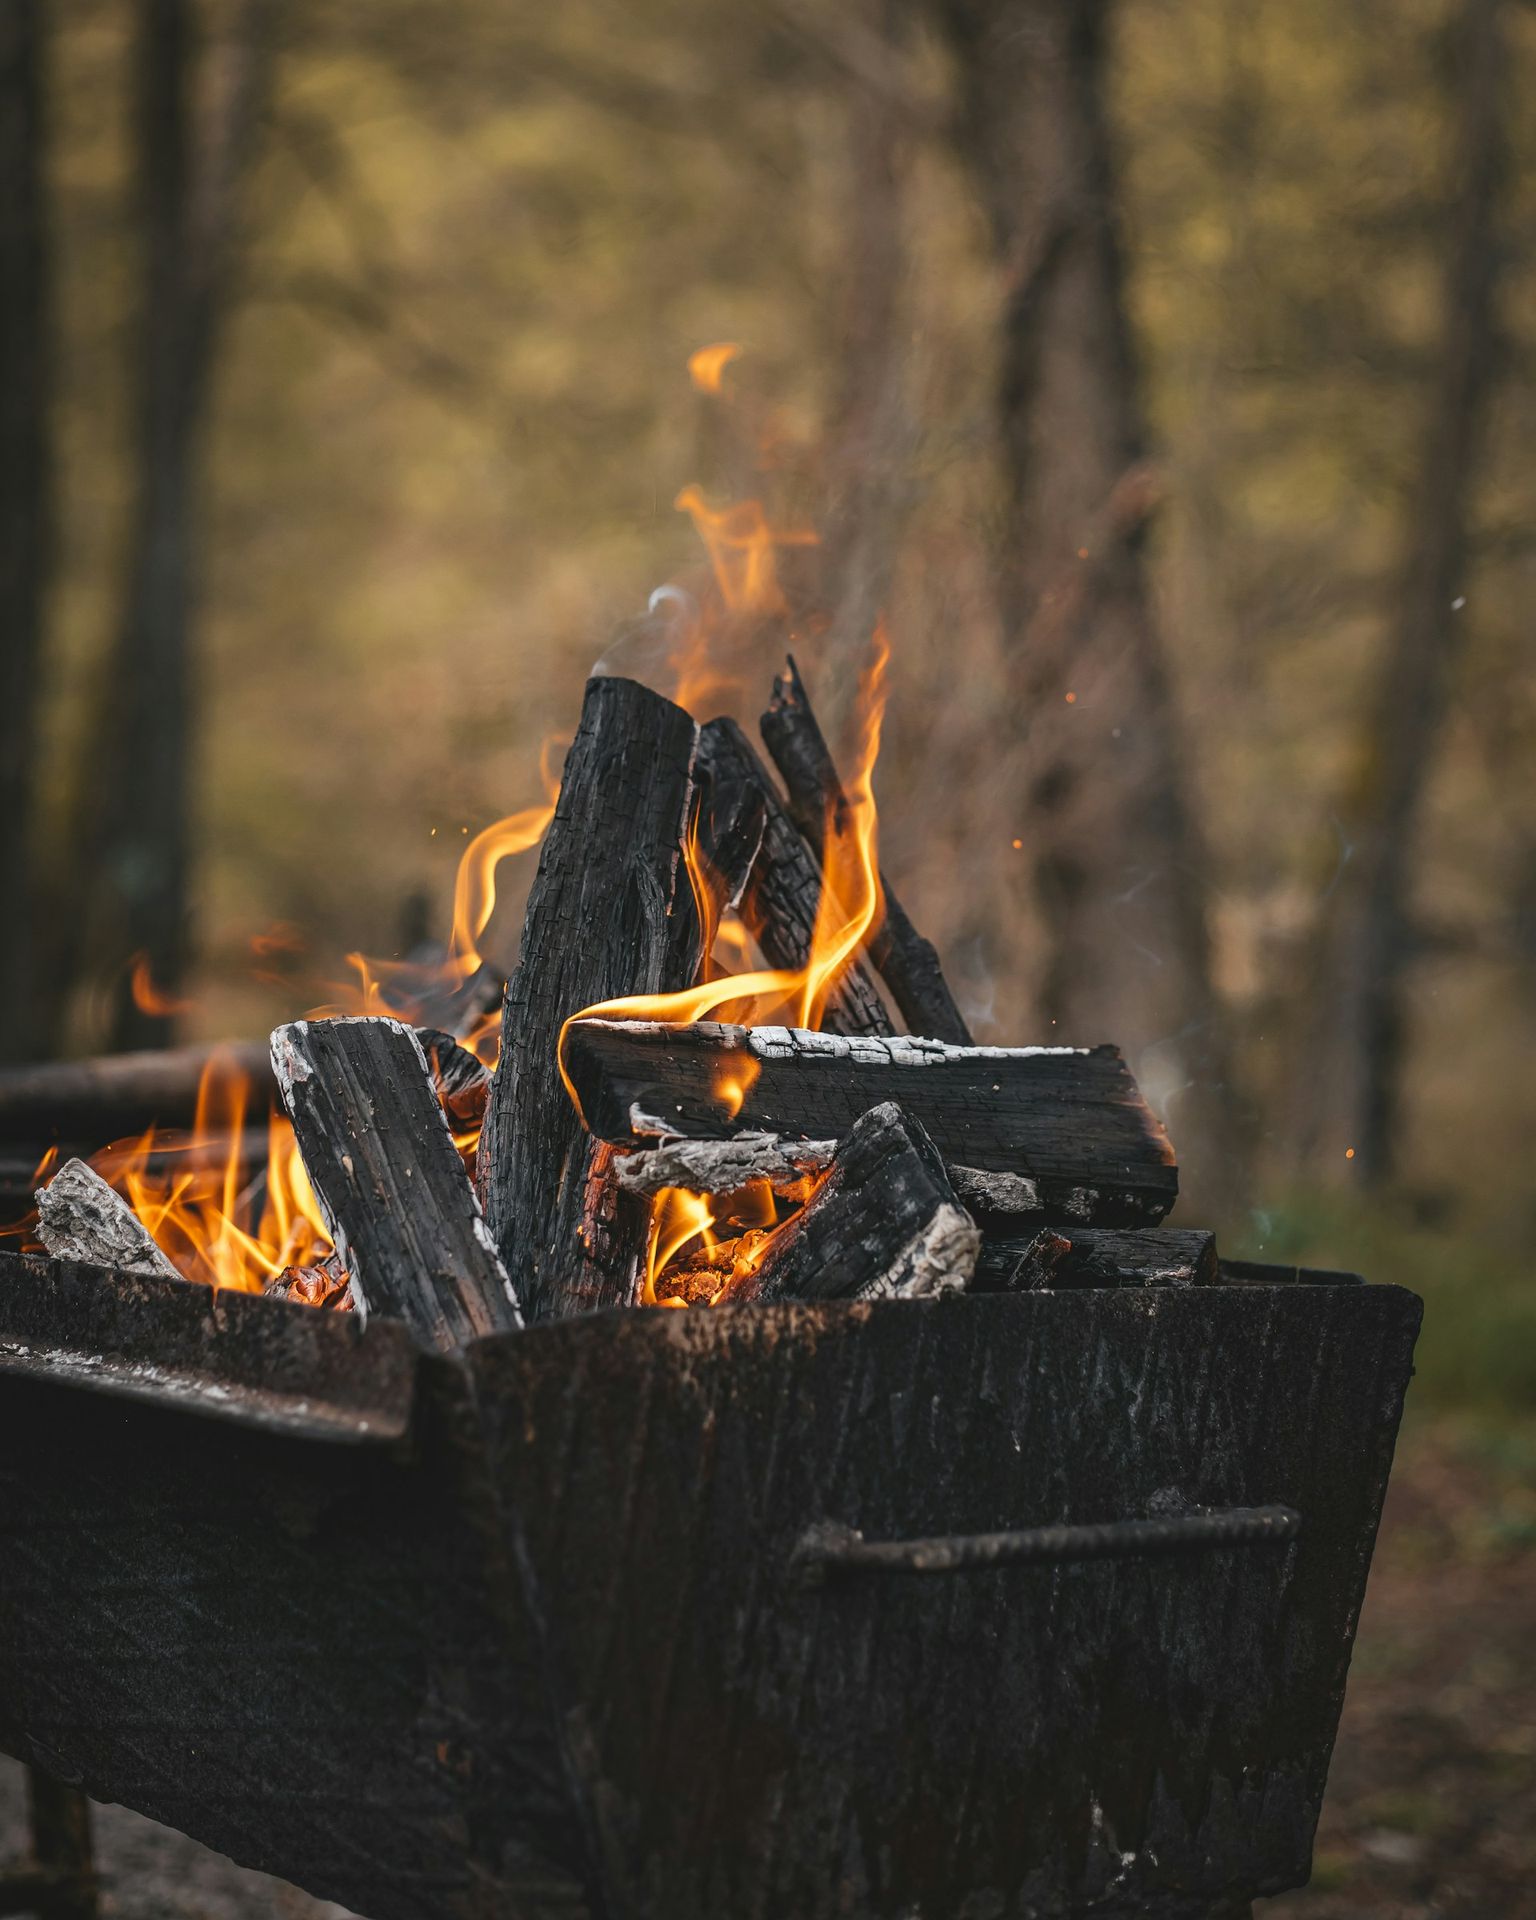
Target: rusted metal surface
(546,1650)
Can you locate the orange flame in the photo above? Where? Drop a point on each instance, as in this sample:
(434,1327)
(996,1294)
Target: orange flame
(147,997)
(198,1197)
(706,366)
(741,544)
(474,893)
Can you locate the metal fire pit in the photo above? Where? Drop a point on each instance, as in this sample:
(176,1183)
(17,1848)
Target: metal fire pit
(594,1621)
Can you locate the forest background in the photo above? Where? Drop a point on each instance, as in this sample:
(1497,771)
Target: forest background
(1165,372)
(1164,375)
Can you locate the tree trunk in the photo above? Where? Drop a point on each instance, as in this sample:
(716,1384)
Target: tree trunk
(189,181)
(1347,1096)
(1117,863)
(25,517)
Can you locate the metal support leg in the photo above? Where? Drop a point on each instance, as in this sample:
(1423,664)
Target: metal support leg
(59,1882)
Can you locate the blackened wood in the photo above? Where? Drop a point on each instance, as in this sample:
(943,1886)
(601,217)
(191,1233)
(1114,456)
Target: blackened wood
(596,1545)
(610,913)
(907,962)
(726,1166)
(104,1099)
(324,1285)
(769,874)
(389,1180)
(1019,1265)
(1099,1257)
(81,1218)
(1054,1131)
(463,1083)
(883,1224)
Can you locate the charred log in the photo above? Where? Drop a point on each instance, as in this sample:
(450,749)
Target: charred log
(1031,1131)
(389,1180)
(729,1166)
(768,873)
(610,914)
(463,1083)
(324,1285)
(1096,1257)
(884,1224)
(81,1218)
(101,1100)
(907,962)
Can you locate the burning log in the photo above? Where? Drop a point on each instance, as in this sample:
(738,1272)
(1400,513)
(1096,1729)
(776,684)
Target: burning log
(610,914)
(389,1180)
(326,1286)
(1025,1131)
(884,1224)
(81,1218)
(463,1082)
(768,872)
(1099,1257)
(907,962)
(728,1166)
(101,1100)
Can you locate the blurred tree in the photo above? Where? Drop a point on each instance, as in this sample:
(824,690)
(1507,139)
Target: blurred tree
(25,495)
(190,171)
(1365,938)
(1118,865)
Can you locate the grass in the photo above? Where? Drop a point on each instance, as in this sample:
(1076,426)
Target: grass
(1477,1352)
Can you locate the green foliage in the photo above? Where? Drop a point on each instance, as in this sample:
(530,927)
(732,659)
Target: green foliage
(1477,1352)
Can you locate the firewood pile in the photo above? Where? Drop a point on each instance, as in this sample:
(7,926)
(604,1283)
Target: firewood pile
(625,1152)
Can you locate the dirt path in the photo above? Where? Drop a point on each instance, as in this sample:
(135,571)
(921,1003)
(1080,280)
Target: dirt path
(1431,1810)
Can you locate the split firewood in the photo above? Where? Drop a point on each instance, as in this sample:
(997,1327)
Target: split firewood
(1029,1132)
(81,1218)
(789,1167)
(907,962)
(1096,1257)
(324,1285)
(400,1208)
(610,914)
(768,874)
(883,1224)
(463,1083)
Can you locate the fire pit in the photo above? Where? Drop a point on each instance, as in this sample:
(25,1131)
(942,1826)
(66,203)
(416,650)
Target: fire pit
(559,1626)
(988,1548)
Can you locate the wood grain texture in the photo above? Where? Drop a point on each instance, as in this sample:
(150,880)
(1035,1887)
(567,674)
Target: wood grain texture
(883,1224)
(610,913)
(769,874)
(1100,1257)
(907,962)
(81,1218)
(1050,1131)
(389,1180)
(457,1667)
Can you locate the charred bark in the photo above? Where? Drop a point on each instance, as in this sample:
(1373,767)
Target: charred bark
(25,494)
(610,914)
(389,1180)
(81,1218)
(1042,1130)
(1098,1257)
(907,962)
(768,873)
(883,1225)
